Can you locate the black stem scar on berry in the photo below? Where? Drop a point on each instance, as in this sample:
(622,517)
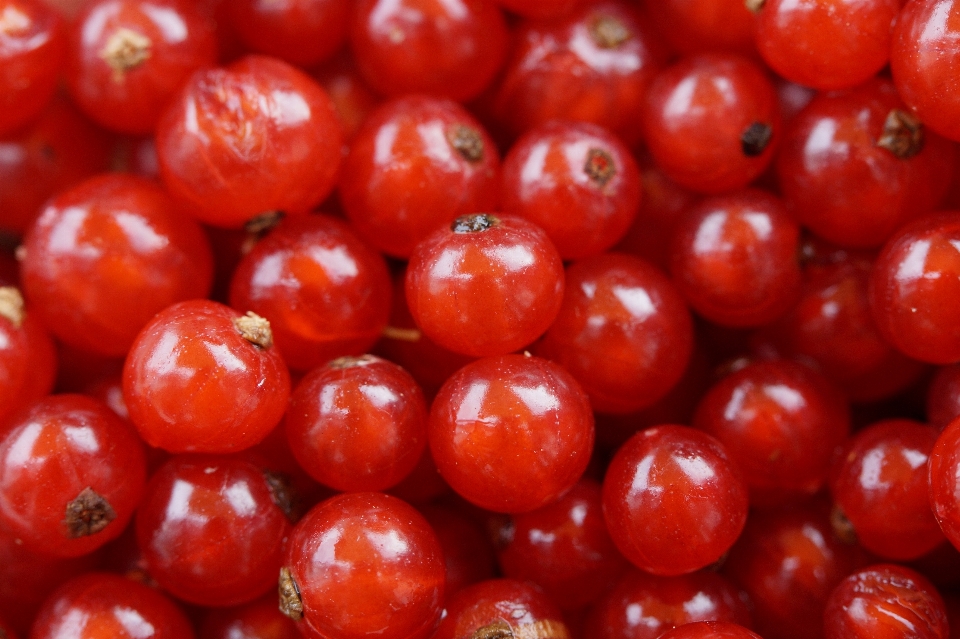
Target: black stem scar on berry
(755,139)
(125,50)
(11,305)
(467,141)
(609,32)
(88,514)
(902,134)
(599,166)
(254,329)
(291,604)
(474,223)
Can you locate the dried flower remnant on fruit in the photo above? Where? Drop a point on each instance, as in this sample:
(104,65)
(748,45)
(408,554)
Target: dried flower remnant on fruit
(88,514)
(350,361)
(755,139)
(402,334)
(842,527)
(254,329)
(902,134)
(608,32)
(474,223)
(11,305)
(543,629)
(291,604)
(599,166)
(754,5)
(125,50)
(467,141)
(281,492)
(499,629)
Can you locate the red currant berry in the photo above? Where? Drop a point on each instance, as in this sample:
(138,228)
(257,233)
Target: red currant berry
(511,433)
(201,377)
(106,256)
(700,26)
(943,396)
(28,362)
(417,163)
(255,137)
(577,182)
(358,423)
(501,608)
(673,500)
(260,619)
(502,274)
(361,564)
(710,630)
(301,32)
(71,474)
(127,58)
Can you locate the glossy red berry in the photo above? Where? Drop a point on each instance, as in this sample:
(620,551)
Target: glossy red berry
(711,122)
(201,377)
(106,256)
(673,500)
(502,607)
(699,26)
(103,605)
(945,481)
(71,475)
(594,65)
(710,630)
(32,47)
(915,289)
(943,396)
(623,332)
(301,32)
(880,484)
(211,529)
(504,275)
(925,65)
(576,181)
(260,619)
(255,137)
(447,49)
(511,433)
(360,564)
(643,606)
(734,258)
(781,423)
(885,601)
(826,45)
(357,423)
(854,166)
(416,164)
(127,58)
(325,293)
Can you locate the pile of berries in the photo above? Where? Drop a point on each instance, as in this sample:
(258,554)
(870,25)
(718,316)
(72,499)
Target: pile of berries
(479,319)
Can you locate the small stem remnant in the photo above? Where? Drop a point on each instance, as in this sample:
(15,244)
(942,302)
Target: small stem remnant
(543,629)
(402,334)
(254,329)
(88,514)
(608,32)
(599,166)
(467,141)
(350,361)
(125,50)
(11,305)
(754,5)
(902,134)
(842,527)
(755,139)
(474,223)
(290,602)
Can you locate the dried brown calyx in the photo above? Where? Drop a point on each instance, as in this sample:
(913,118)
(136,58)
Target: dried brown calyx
(754,5)
(467,141)
(88,514)
(291,603)
(11,305)
(599,166)
(842,527)
(257,227)
(755,138)
(254,329)
(125,49)
(474,223)
(350,361)
(902,134)
(281,493)
(609,32)
(544,629)
(402,334)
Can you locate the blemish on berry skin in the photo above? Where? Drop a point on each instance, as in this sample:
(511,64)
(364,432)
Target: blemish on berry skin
(88,514)
(599,167)
(254,329)
(608,32)
(755,139)
(474,223)
(291,604)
